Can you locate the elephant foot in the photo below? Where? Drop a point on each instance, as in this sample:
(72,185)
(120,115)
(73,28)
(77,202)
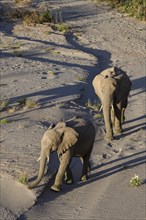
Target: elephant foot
(117,130)
(84,178)
(56,188)
(69,181)
(108,138)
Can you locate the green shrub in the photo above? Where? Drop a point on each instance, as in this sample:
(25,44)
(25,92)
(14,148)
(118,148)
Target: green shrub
(4,121)
(135,8)
(135,181)
(62,27)
(4,103)
(46,16)
(23,178)
(36,17)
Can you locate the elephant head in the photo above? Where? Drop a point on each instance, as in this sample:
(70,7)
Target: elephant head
(60,139)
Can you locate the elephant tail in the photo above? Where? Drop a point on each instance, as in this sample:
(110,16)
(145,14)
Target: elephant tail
(43,160)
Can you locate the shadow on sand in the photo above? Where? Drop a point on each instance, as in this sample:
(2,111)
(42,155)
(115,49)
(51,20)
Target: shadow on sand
(110,168)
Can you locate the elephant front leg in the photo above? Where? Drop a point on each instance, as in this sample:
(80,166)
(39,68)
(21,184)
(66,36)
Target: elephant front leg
(112,116)
(118,114)
(64,162)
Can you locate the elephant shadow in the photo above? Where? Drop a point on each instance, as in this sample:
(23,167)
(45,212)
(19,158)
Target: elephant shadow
(97,172)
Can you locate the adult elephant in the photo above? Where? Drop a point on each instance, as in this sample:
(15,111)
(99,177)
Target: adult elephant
(112,86)
(72,138)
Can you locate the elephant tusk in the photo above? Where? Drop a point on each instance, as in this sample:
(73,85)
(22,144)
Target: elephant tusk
(48,159)
(38,159)
(101,108)
(112,107)
(52,125)
(71,119)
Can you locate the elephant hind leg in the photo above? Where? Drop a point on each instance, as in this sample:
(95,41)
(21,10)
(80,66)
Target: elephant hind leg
(124,105)
(68,176)
(86,167)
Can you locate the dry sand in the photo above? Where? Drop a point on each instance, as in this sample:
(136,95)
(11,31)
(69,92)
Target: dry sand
(57,69)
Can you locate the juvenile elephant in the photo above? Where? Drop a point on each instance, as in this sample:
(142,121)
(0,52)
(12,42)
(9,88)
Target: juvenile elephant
(112,86)
(72,138)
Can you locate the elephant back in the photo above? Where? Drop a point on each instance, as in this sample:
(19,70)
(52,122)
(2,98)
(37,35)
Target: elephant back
(82,126)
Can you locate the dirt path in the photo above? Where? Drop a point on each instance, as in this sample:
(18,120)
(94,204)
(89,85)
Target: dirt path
(57,70)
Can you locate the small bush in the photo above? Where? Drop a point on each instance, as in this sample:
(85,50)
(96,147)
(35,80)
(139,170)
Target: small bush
(4,121)
(135,8)
(3,103)
(52,73)
(135,181)
(23,178)
(36,17)
(96,107)
(99,115)
(23,2)
(31,104)
(26,103)
(80,78)
(62,27)
(46,16)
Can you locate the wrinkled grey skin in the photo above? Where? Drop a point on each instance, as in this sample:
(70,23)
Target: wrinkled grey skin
(112,86)
(72,138)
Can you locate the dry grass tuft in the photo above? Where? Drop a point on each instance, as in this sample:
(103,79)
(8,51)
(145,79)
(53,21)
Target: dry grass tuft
(23,2)
(36,17)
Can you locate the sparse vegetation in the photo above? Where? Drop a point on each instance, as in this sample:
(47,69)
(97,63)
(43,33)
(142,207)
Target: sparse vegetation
(135,181)
(37,17)
(62,27)
(52,73)
(95,106)
(80,78)
(4,103)
(56,52)
(4,121)
(23,2)
(26,103)
(23,178)
(99,115)
(135,8)
(49,49)
(31,104)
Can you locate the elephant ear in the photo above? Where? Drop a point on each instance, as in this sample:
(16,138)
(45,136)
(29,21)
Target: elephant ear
(69,138)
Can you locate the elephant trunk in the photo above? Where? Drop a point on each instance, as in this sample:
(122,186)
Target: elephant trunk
(107,119)
(43,160)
